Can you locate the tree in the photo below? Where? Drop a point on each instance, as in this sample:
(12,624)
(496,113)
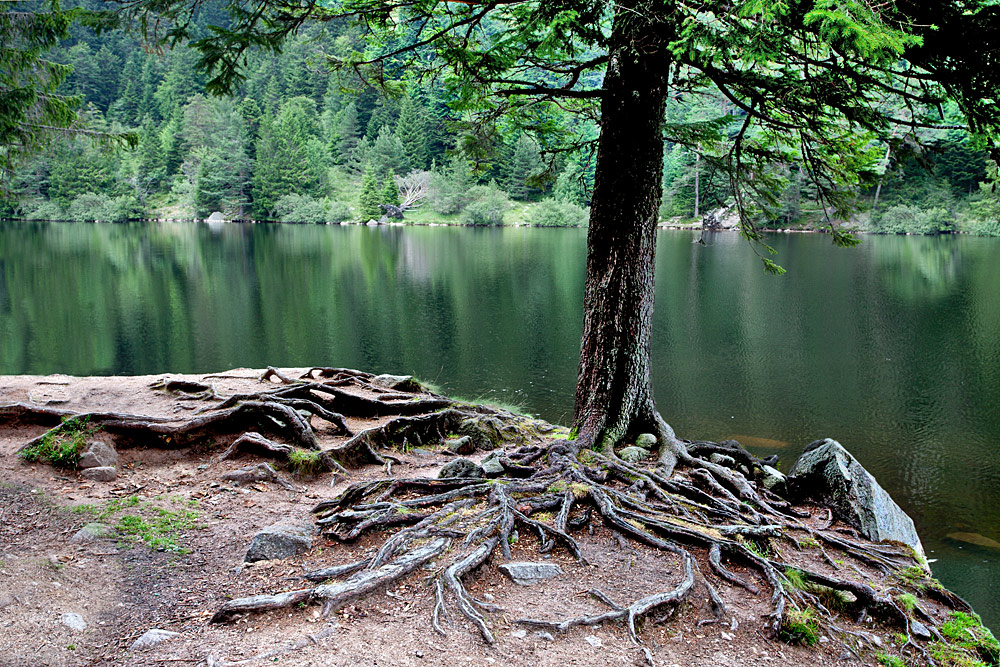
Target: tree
(32,108)
(368,200)
(805,81)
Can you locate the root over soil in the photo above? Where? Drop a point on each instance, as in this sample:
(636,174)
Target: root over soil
(725,529)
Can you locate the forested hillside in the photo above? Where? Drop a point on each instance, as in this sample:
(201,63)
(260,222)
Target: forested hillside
(299,144)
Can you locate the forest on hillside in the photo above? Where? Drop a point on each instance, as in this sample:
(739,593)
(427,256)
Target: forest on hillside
(297,143)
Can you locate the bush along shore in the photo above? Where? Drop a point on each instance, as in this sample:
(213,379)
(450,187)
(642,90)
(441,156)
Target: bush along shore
(390,508)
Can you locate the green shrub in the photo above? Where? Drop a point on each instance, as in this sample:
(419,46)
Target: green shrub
(555,213)
(489,203)
(912,219)
(338,211)
(44,210)
(301,208)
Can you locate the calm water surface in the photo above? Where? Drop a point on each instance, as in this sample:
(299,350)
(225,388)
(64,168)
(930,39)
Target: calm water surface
(893,348)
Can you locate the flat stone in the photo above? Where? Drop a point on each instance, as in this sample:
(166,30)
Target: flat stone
(547,636)
(396,382)
(91,533)
(100,474)
(773,479)
(633,454)
(280,540)
(519,634)
(830,474)
(152,637)
(74,622)
(463,445)
(646,441)
(462,468)
(919,630)
(722,460)
(491,465)
(98,455)
(593,640)
(526,574)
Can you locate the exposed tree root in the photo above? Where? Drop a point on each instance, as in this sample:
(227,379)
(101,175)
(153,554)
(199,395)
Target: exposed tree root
(722,529)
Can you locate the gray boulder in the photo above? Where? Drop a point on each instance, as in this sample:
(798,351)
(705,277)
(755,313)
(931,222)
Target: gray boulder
(491,465)
(91,533)
(280,540)
(772,479)
(461,468)
(463,445)
(396,382)
(829,473)
(646,441)
(526,574)
(98,455)
(633,454)
(100,474)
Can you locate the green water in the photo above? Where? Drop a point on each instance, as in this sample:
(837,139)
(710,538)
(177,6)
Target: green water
(893,348)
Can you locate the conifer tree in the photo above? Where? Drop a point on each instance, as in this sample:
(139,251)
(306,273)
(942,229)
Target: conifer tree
(368,200)
(390,191)
(524,163)
(412,130)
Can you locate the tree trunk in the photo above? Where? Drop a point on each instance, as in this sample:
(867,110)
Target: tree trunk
(614,396)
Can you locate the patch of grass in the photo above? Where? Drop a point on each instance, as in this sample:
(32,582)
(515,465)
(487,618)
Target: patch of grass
(514,408)
(305,461)
(889,660)
(760,549)
(830,597)
(809,543)
(800,627)
(796,578)
(161,531)
(61,447)
(908,600)
(85,509)
(968,643)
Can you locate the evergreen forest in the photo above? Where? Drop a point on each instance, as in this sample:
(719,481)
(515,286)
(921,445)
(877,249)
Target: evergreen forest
(298,143)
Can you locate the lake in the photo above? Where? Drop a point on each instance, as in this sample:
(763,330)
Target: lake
(892,348)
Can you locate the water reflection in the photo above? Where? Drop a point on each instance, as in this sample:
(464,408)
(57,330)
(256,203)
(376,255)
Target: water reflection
(893,348)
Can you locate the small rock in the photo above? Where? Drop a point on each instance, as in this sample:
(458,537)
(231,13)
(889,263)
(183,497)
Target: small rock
(418,653)
(74,622)
(772,479)
(646,441)
(541,634)
(463,445)
(526,574)
(824,639)
(396,382)
(489,597)
(98,455)
(100,474)
(519,634)
(421,452)
(722,460)
(919,630)
(203,466)
(633,454)
(491,465)
(90,533)
(280,540)
(463,468)
(593,641)
(152,637)
(727,636)
(876,640)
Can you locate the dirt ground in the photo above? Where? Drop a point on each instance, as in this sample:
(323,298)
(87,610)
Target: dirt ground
(122,587)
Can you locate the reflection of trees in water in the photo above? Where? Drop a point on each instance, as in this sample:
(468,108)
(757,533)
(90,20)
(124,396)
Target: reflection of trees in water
(918,267)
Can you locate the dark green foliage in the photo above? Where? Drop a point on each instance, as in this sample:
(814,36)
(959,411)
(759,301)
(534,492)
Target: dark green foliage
(799,627)
(524,165)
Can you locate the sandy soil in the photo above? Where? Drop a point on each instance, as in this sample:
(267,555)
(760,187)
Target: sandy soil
(121,588)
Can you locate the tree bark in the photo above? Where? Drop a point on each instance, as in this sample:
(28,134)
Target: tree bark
(614,396)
